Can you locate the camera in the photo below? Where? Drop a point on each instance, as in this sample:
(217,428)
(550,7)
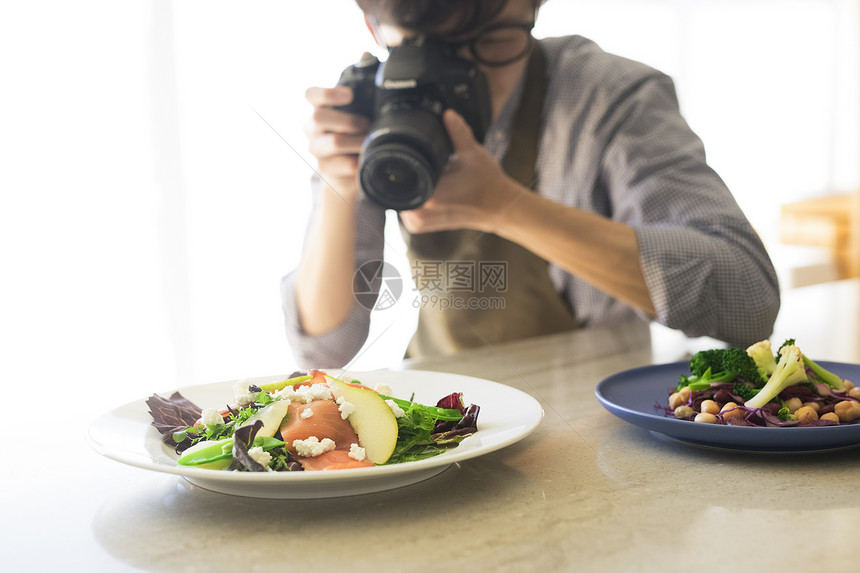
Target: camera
(407,147)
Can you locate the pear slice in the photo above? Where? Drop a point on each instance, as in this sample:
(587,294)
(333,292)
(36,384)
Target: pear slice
(372,420)
(271,415)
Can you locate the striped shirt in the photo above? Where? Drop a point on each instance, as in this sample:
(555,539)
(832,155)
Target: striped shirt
(613,142)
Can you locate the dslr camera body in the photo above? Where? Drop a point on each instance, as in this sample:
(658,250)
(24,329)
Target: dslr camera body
(407,147)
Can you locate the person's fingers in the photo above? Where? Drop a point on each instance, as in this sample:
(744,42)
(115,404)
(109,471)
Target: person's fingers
(338,95)
(339,166)
(331,144)
(328,120)
(458,130)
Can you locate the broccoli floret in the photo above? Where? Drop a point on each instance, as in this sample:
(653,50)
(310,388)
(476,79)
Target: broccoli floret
(788,342)
(785,414)
(762,353)
(719,366)
(743,365)
(705,360)
(835,382)
(694,382)
(825,376)
(744,389)
(684,381)
(789,371)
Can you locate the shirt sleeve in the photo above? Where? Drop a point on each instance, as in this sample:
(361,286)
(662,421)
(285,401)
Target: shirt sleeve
(707,270)
(335,348)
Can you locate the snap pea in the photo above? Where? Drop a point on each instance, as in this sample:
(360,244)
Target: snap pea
(223,450)
(275,386)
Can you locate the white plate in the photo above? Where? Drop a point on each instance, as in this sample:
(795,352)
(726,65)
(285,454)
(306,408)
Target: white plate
(507,415)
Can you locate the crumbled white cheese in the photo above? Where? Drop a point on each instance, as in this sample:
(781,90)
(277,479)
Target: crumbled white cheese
(261,457)
(383,389)
(286,393)
(346,408)
(242,396)
(313,447)
(307,413)
(356,452)
(306,394)
(317,392)
(398,411)
(211,417)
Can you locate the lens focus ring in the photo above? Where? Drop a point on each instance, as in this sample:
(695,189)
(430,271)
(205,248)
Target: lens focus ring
(396,176)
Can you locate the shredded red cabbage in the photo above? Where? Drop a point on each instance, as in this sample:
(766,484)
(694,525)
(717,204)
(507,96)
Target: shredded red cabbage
(766,416)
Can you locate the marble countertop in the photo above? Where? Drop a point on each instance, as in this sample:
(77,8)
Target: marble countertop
(585,492)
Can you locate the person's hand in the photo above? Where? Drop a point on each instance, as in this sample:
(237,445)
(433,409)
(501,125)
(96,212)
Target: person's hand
(472,192)
(335,138)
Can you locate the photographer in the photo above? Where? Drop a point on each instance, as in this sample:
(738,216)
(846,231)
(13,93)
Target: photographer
(589,186)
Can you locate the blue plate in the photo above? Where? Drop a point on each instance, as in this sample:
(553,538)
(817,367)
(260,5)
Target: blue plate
(636,396)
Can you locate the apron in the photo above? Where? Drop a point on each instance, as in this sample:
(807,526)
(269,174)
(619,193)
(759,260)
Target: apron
(476,288)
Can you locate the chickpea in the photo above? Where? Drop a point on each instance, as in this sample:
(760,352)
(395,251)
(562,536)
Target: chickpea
(793,404)
(806,415)
(814,405)
(848,384)
(731,410)
(847,410)
(685,393)
(709,407)
(854,392)
(705,418)
(683,412)
(830,416)
(675,400)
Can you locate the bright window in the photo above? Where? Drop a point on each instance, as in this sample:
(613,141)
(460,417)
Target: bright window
(155,168)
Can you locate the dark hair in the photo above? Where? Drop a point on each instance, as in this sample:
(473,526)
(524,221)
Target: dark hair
(458,16)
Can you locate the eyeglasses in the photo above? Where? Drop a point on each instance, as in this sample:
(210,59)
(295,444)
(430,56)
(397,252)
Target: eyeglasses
(499,45)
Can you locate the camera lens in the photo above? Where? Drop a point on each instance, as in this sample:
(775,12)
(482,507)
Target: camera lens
(403,157)
(394,173)
(397,177)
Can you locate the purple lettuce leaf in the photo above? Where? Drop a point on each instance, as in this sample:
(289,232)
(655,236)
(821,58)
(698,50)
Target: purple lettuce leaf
(243,440)
(448,432)
(171,415)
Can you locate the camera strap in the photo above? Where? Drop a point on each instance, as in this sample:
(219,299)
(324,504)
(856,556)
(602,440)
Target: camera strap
(476,288)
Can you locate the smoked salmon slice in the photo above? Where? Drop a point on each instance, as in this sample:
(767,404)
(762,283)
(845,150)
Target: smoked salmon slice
(324,422)
(333,460)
